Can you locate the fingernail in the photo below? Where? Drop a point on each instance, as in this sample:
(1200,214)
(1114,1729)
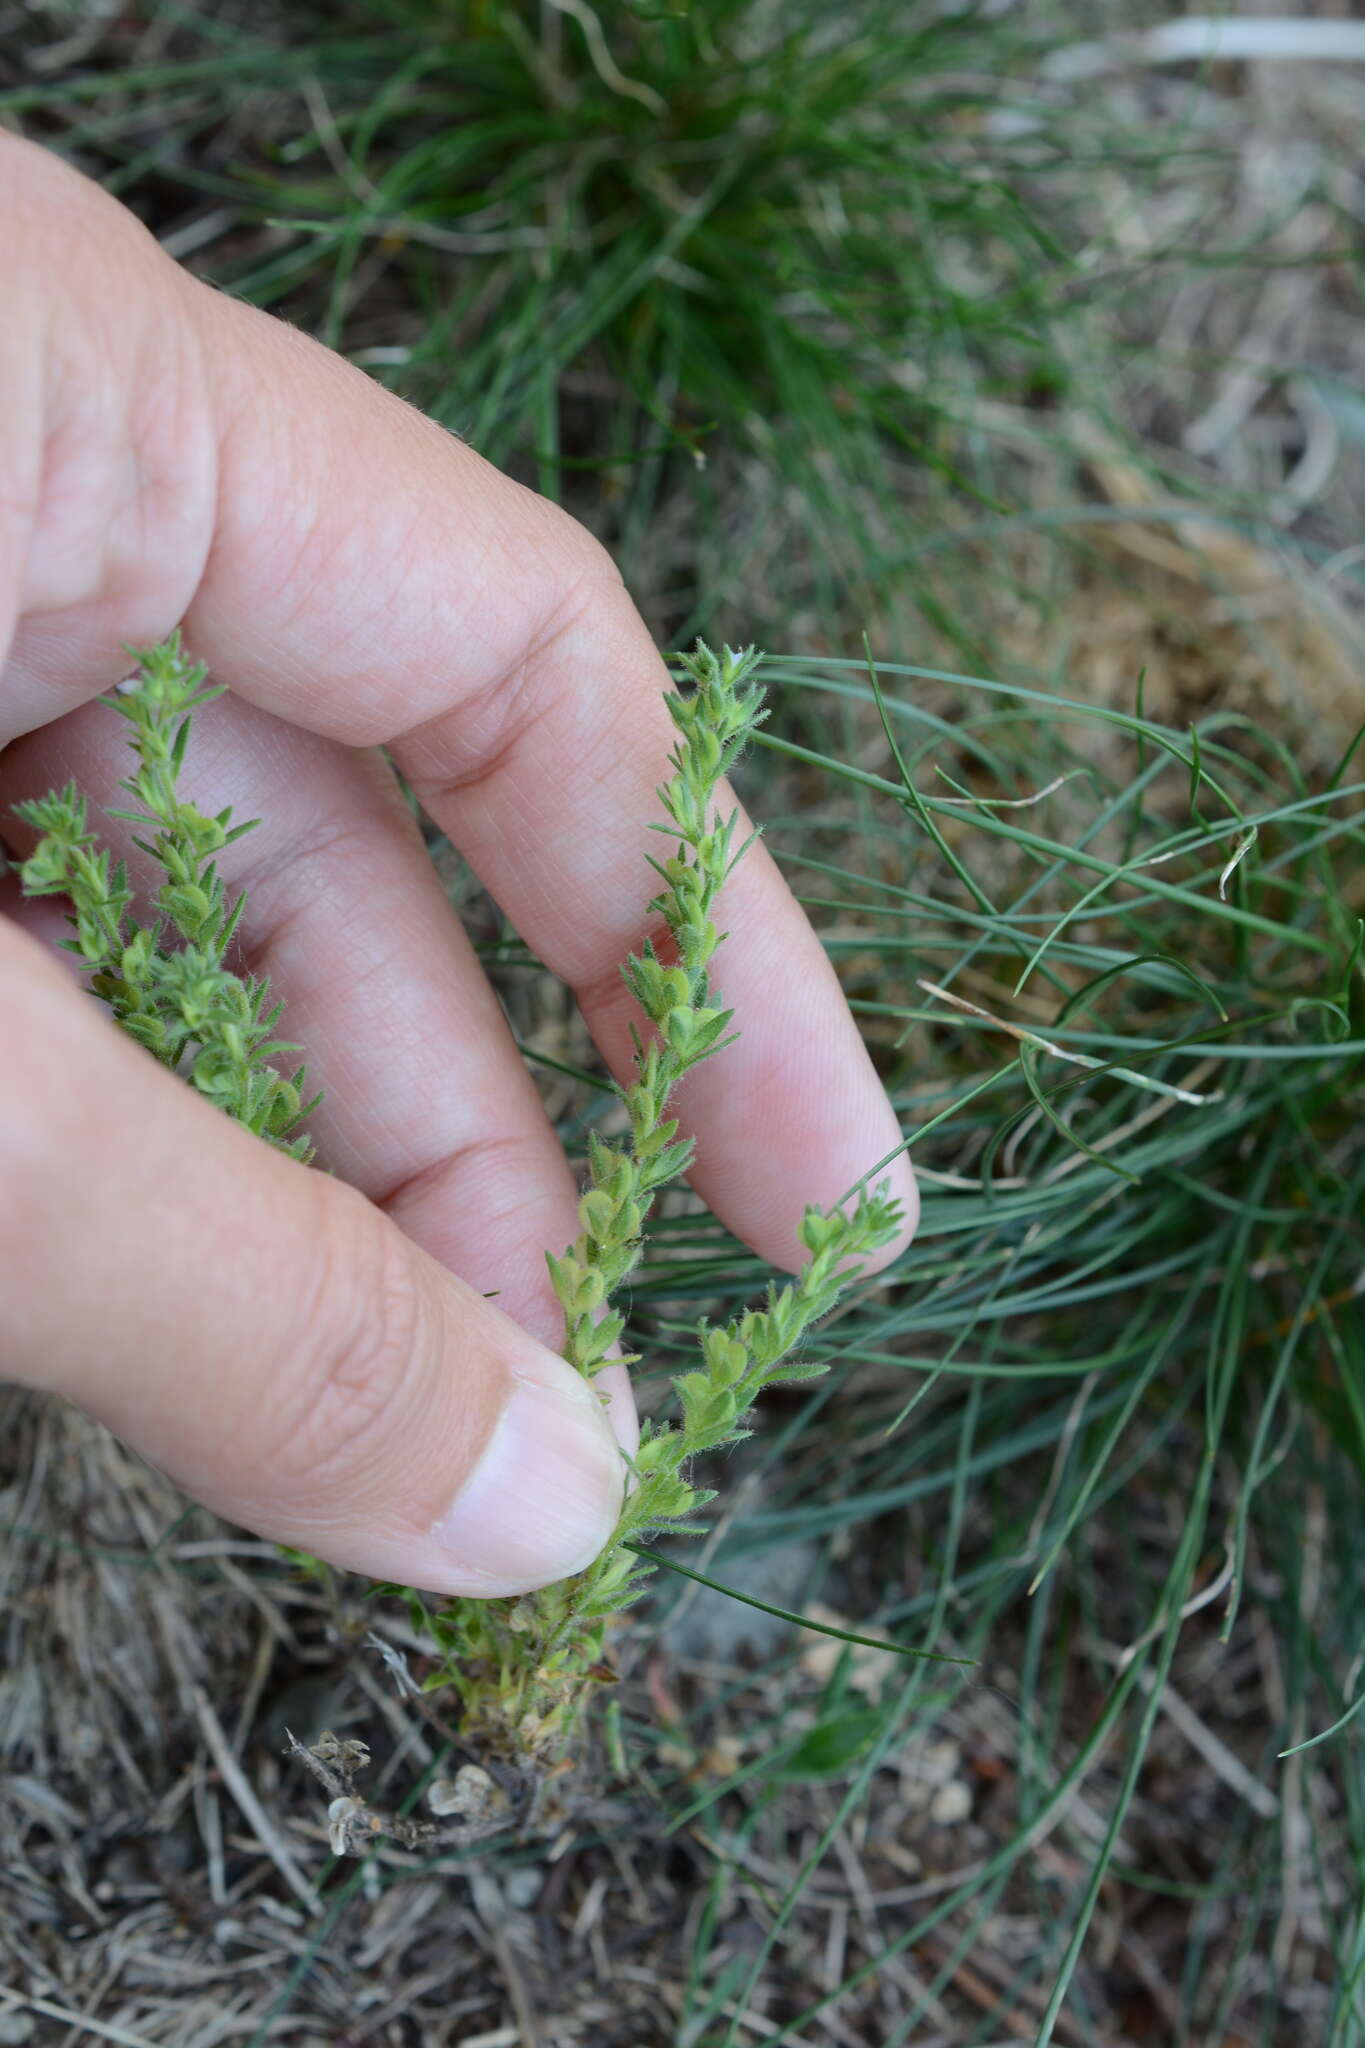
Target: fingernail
(543,1499)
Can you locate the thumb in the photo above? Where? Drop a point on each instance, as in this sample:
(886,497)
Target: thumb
(263,1334)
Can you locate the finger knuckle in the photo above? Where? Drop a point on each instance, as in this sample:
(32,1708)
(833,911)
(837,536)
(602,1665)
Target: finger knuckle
(589,571)
(368,1339)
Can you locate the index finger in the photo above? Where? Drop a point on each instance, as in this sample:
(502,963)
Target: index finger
(369,578)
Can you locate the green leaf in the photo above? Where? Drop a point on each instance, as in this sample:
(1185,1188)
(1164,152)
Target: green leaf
(830,1747)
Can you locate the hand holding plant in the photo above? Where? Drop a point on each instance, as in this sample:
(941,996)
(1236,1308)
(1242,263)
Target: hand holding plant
(522,1667)
(293,1346)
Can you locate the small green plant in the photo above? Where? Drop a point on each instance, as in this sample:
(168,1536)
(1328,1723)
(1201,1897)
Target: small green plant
(522,1667)
(179,1000)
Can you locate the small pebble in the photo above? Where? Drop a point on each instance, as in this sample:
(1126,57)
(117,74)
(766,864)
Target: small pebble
(951,1804)
(521,1888)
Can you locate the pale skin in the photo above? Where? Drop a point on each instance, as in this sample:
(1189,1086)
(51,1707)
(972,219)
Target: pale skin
(316,1357)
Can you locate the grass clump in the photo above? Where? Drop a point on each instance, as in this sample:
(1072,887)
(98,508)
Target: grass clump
(627,250)
(1107,1435)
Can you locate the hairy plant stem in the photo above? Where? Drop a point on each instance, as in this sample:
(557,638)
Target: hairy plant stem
(189,1010)
(524,1667)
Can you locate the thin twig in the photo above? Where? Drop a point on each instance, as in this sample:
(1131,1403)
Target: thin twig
(1061,1052)
(235,1780)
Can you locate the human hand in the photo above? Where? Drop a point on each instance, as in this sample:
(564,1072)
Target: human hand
(315,1357)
